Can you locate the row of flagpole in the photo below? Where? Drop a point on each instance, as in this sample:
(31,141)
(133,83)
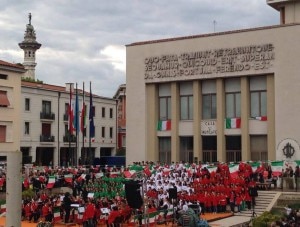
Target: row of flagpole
(73,119)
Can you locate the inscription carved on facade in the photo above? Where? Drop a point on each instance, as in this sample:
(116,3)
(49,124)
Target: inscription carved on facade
(209,62)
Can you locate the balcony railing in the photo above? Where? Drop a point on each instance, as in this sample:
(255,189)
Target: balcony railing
(48,116)
(46,138)
(68,138)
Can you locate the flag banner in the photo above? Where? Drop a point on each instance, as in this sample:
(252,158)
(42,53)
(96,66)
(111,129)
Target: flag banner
(76,111)
(114,174)
(233,123)
(164,125)
(99,175)
(91,115)
(3,208)
(56,214)
(234,170)
(211,168)
(254,166)
(129,173)
(297,162)
(277,167)
(71,113)
(136,168)
(83,113)
(51,182)
(69,178)
(261,118)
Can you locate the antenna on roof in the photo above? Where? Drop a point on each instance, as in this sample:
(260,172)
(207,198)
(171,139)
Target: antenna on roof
(214,22)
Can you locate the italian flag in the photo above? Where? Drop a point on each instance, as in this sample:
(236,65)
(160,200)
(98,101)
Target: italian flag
(69,178)
(297,162)
(276,167)
(129,173)
(56,214)
(152,218)
(234,169)
(254,166)
(164,125)
(261,118)
(233,122)
(51,182)
(211,168)
(3,208)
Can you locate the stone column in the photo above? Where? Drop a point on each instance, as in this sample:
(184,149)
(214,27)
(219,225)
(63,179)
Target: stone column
(13,189)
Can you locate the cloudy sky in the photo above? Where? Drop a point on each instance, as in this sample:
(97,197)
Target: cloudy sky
(85,41)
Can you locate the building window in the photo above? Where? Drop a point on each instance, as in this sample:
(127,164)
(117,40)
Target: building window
(233,149)
(209,148)
(27,104)
(103,112)
(2,133)
(186,149)
(233,97)
(258,96)
(103,132)
(165,149)
(111,132)
(164,94)
(26,128)
(209,101)
(186,101)
(3,77)
(4,102)
(259,147)
(46,107)
(111,112)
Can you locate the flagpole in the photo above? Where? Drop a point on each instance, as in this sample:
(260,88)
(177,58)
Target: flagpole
(83,124)
(77,125)
(69,118)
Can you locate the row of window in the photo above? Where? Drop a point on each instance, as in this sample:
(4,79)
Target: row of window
(258,99)
(46,108)
(46,130)
(258,147)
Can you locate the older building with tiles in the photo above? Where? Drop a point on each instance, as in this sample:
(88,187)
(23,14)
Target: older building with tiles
(228,96)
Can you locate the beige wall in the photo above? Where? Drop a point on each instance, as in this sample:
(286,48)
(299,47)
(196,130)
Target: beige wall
(10,116)
(284,69)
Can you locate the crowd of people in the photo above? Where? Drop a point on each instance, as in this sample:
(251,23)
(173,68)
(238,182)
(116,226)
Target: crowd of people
(101,192)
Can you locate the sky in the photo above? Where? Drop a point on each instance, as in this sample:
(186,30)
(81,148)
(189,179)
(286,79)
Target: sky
(85,41)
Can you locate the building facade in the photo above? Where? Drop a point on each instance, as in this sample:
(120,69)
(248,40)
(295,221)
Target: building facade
(120,96)
(10,96)
(229,96)
(45,137)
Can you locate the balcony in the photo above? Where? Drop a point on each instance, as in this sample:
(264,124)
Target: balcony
(47,116)
(46,138)
(68,138)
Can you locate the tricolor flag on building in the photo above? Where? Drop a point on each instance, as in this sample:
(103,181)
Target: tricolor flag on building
(51,182)
(261,118)
(164,125)
(277,167)
(233,123)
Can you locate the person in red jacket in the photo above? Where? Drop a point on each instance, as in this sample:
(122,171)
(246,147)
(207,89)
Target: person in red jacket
(113,215)
(89,213)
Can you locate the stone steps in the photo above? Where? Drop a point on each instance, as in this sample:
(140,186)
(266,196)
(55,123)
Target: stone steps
(263,200)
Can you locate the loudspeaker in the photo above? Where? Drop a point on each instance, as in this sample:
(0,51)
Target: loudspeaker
(133,195)
(172,193)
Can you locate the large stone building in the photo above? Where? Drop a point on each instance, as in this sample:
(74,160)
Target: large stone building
(44,131)
(228,96)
